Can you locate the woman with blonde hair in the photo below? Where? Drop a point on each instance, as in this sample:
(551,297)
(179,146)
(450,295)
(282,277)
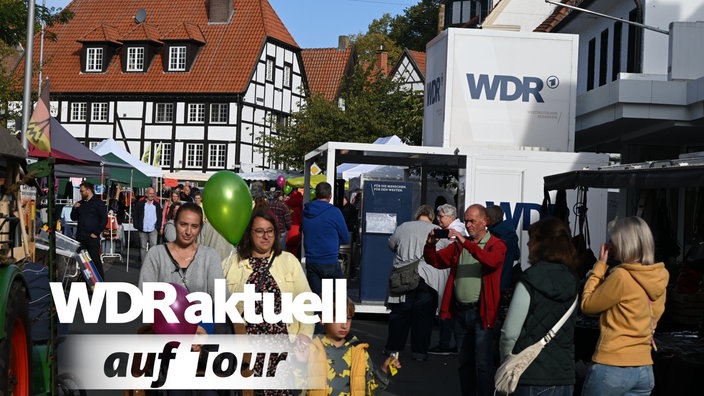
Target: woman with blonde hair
(630,300)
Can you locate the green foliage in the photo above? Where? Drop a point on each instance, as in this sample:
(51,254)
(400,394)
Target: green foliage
(13,19)
(13,36)
(416,26)
(374,106)
(368,45)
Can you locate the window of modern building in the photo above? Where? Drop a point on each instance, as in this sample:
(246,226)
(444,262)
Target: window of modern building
(603,56)
(217,154)
(99,112)
(78,111)
(196,113)
(164,112)
(177,58)
(591,64)
(616,51)
(135,59)
(94,60)
(218,113)
(194,155)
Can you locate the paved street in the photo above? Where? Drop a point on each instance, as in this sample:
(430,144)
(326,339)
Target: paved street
(437,375)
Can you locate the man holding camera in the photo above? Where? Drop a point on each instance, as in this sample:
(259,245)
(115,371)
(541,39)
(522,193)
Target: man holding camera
(471,295)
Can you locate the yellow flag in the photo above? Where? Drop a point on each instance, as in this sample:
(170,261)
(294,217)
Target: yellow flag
(38,129)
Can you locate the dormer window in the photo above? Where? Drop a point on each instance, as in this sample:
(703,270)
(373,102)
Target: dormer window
(135,59)
(94,59)
(177,58)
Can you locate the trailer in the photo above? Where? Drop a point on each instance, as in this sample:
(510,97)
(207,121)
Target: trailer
(509,178)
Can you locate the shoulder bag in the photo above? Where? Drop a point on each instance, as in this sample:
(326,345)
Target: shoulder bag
(404,279)
(510,371)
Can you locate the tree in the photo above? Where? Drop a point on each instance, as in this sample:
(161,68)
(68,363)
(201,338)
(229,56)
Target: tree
(374,106)
(13,19)
(416,26)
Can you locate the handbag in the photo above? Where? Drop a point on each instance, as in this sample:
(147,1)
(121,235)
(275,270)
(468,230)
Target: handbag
(404,279)
(510,371)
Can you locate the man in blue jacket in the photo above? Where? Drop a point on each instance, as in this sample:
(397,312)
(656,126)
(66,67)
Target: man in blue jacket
(324,230)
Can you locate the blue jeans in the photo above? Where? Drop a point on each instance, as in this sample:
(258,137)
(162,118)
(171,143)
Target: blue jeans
(447,328)
(317,272)
(475,352)
(606,380)
(415,314)
(537,390)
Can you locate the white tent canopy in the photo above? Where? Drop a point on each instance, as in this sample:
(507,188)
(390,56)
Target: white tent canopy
(268,174)
(189,176)
(111,146)
(349,171)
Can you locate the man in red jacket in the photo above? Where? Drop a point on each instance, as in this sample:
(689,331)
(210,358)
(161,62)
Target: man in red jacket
(471,296)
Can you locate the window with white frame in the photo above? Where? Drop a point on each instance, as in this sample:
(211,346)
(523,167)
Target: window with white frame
(218,113)
(194,155)
(135,59)
(78,111)
(164,154)
(270,69)
(217,154)
(164,112)
(287,76)
(177,58)
(196,113)
(92,144)
(94,60)
(99,112)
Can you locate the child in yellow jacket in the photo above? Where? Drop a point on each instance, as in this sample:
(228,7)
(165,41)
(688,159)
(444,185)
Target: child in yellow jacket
(343,364)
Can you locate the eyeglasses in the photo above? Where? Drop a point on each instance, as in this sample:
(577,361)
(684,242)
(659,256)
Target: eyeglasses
(260,232)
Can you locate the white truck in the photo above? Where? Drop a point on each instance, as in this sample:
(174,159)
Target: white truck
(499,116)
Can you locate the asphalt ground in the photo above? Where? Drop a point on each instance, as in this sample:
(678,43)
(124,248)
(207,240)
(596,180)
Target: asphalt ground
(437,375)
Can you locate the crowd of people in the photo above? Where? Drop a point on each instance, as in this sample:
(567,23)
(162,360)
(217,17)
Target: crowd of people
(467,273)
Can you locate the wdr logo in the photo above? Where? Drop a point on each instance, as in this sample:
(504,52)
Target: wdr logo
(509,88)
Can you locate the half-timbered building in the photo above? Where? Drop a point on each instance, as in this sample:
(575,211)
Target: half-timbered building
(189,85)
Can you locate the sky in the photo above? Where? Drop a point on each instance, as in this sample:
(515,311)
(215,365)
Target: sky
(318,23)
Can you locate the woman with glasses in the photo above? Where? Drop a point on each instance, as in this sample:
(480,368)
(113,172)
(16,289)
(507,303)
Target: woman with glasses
(260,261)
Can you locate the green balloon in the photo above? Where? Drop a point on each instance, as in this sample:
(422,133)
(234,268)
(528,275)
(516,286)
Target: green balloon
(287,189)
(228,205)
(312,194)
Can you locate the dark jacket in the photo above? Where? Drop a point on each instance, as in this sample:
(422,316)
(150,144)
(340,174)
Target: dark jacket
(324,230)
(506,231)
(92,217)
(138,215)
(552,288)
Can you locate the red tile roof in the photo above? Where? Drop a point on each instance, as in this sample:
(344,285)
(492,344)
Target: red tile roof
(224,64)
(143,32)
(102,33)
(419,58)
(557,16)
(325,68)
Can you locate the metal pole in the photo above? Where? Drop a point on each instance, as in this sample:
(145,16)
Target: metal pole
(609,17)
(28,56)
(41,57)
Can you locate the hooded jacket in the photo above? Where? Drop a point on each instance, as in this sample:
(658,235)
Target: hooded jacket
(631,300)
(324,230)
